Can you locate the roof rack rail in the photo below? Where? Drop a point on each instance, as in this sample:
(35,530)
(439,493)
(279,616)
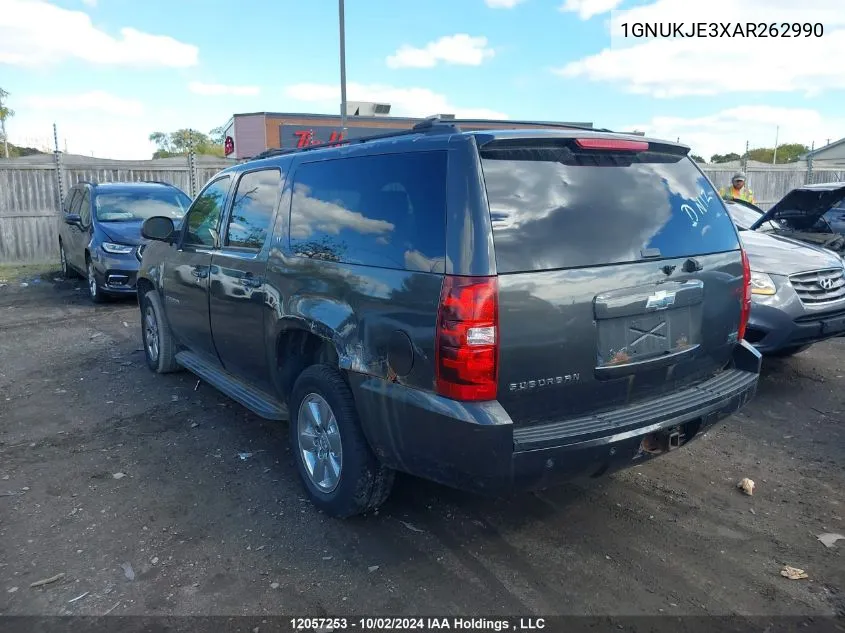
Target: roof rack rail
(430,125)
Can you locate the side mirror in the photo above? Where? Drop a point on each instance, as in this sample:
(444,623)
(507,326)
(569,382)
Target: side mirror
(73,219)
(158,228)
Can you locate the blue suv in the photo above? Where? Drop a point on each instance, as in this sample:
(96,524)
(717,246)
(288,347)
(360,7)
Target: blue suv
(100,235)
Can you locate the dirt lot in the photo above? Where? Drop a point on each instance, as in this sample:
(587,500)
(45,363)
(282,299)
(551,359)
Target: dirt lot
(192,527)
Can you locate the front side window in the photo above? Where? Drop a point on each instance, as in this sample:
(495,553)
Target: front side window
(74,200)
(254,206)
(137,204)
(387,210)
(85,209)
(203,218)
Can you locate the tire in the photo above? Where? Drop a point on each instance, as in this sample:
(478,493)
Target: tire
(95,292)
(67,271)
(362,483)
(159,347)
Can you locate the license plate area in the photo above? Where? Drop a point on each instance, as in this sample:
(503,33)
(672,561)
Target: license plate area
(643,324)
(633,339)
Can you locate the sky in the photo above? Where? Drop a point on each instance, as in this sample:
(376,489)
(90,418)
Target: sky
(110,72)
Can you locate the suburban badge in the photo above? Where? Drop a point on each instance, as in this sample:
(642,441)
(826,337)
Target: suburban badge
(545,382)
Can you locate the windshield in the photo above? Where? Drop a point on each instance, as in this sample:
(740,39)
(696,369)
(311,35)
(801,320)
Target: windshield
(744,217)
(133,205)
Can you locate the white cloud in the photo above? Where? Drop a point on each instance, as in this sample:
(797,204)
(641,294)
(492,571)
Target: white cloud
(589,8)
(414,102)
(726,131)
(672,67)
(94,101)
(460,49)
(36,33)
(213,90)
(503,4)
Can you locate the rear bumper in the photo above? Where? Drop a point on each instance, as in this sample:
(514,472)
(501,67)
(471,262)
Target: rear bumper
(475,446)
(773,329)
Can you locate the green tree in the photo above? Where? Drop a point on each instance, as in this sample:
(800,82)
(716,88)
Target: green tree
(218,135)
(180,142)
(724,158)
(791,152)
(697,158)
(787,153)
(5,113)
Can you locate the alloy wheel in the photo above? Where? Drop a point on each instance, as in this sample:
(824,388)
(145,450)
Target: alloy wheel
(151,341)
(92,281)
(319,442)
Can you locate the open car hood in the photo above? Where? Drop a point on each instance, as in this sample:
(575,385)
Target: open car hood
(805,203)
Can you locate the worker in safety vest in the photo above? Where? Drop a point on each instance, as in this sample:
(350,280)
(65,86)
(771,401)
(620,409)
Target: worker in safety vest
(737,189)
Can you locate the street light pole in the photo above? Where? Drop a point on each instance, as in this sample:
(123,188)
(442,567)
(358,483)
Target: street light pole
(342,67)
(775,156)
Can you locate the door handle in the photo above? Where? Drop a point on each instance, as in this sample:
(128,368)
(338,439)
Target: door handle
(251,282)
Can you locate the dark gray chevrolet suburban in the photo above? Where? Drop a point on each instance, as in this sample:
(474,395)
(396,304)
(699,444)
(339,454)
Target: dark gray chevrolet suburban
(493,310)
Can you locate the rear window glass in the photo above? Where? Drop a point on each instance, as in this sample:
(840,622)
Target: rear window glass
(553,208)
(387,211)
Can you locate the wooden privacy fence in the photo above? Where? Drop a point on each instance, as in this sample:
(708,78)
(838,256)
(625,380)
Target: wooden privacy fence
(770,185)
(30,206)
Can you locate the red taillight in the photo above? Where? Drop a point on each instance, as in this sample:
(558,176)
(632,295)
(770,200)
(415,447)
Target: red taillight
(467,340)
(745,295)
(612,144)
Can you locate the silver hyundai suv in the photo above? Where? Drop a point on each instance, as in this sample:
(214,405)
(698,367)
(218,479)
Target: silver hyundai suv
(797,290)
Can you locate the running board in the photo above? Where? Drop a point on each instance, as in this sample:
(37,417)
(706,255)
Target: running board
(259,402)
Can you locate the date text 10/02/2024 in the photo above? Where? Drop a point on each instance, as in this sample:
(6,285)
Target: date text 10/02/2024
(419,624)
(642,30)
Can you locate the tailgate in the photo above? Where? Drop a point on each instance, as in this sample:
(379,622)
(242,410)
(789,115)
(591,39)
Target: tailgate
(620,274)
(575,342)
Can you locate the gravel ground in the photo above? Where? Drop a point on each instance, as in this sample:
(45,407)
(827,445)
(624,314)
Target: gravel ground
(152,495)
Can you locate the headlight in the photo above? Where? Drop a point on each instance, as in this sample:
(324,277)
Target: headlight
(117,249)
(762,284)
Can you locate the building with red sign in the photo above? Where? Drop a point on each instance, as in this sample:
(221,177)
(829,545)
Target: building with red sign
(247,135)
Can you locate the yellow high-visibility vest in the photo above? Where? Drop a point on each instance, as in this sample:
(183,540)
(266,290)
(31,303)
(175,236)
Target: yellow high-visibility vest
(743,194)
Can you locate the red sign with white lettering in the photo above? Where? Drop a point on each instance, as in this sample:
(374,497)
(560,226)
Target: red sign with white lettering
(300,136)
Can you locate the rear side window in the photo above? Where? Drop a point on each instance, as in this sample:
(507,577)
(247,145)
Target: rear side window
(387,211)
(253,208)
(553,206)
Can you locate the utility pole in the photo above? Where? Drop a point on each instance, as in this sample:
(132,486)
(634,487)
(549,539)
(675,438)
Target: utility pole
(57,156)
(342,22)
(775,156)
(745,159)
(3,124)
(810,163)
